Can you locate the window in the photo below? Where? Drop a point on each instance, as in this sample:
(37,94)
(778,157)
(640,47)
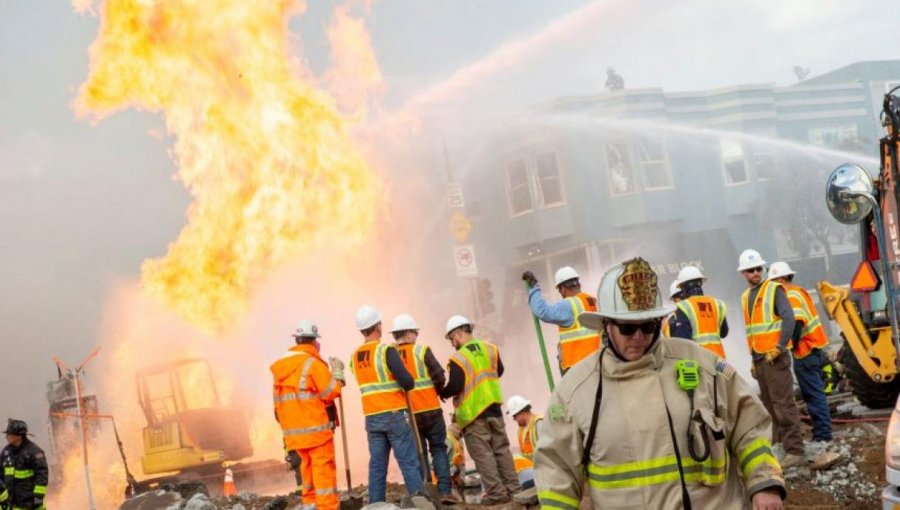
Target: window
(833,136)
(733,162)
(654,165)
(621,172)
(549,182)
(518,190)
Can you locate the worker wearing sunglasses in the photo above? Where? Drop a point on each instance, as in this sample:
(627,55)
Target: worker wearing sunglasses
(655,422)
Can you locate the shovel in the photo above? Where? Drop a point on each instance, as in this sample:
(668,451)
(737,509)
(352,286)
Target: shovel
(344,440)
(430,488)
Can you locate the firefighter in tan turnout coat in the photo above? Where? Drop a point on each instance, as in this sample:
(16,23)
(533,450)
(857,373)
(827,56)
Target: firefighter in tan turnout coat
(674,427)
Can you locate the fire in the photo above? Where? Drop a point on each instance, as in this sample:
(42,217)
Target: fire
(266,157)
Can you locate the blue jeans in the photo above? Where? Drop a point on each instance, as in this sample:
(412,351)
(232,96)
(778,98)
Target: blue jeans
(433,432)
(809,376)
(386,431)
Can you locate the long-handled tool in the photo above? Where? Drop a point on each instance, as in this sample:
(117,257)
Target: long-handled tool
(344,440)
(419,449)
(540,337)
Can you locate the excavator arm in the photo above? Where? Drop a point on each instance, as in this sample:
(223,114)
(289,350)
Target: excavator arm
(877,357)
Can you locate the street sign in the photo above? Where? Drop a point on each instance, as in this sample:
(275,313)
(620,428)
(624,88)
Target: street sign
(460,226)
(464,258)
(455,195)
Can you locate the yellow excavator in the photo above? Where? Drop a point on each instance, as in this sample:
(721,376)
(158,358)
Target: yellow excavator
(866,312)
(191,434)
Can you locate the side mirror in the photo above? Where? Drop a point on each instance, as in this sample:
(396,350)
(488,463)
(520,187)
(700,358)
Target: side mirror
(850,193)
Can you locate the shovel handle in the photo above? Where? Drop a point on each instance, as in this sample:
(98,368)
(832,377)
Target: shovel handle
(344,441)
(415,429)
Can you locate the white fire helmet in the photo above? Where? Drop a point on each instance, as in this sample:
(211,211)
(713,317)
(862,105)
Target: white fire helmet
(366,317)
(404,322)
(455,322)
(306,329)
(628,292)
(780,269)
(689,273)
(565,274)
(515,404)
(750,259)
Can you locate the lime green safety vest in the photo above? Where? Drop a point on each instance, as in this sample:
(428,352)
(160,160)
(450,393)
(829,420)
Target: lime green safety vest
(479,361)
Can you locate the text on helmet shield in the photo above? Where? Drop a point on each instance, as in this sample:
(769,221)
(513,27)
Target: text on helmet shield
(638,284)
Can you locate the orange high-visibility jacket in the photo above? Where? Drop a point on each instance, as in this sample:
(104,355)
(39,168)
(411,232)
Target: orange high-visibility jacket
(528,436)
(577,342)
(522,462)
(762,325)
(303,388)
(423,396)
(813,334)
(380,391)
(706,315)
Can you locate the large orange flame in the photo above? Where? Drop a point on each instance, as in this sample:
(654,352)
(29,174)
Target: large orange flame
(266,157)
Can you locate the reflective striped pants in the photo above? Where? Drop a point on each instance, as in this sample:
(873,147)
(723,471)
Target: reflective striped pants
(319,475)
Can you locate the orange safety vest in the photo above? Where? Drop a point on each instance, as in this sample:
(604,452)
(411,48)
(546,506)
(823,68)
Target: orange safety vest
(302,389)
(813,334)
(762,325)
(423,396)
(528,436)
(521,463)
(577,342)
(454,451)
(379,390)
(706,315)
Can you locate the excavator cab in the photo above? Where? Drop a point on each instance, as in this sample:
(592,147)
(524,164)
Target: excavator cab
(188,427)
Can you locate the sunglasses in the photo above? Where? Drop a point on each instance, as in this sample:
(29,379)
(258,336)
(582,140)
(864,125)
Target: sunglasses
(753,270)
(628,329)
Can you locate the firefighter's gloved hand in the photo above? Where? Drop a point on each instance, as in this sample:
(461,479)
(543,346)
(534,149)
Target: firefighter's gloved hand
(337,369)
(772,355)
(293,459)
(528,277)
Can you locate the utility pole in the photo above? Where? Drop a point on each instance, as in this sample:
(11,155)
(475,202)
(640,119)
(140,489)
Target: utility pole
(82,418)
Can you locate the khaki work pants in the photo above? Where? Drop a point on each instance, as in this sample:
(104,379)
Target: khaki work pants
(488,446)
(776,387)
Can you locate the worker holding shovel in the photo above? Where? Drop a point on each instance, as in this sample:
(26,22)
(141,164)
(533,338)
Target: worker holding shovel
(424,405)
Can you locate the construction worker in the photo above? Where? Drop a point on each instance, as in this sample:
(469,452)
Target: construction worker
(809,358)
(520,410)
(769,321)
(428,374)
(697,317)
(382,379)
(474,384)
(25,471)
(575,341)
(653,424)
(676,296)
(304,388)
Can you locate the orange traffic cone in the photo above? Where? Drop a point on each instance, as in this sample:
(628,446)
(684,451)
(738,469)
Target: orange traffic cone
(229,489)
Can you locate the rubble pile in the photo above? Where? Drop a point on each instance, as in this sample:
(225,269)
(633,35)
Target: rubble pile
(834,468)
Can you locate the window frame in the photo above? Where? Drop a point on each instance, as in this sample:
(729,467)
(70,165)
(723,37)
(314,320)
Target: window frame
(743,159)
(609,171)
(664,153)
(539,182)
(509,187)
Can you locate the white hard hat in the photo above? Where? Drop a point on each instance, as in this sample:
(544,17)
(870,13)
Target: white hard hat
(779,269)
(565,274)
(404,322)
(455,322)
(306,329)
(628,291)
(675,288)
(689,273)
(366,317)
(750,259)
(515,404)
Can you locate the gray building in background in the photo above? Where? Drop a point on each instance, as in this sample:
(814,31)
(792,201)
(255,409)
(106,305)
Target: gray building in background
(677,177)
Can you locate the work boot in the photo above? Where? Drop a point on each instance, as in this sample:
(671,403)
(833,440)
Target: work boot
(450,498)
(792,460)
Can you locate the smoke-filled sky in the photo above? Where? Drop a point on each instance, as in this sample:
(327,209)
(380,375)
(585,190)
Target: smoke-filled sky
(81,205)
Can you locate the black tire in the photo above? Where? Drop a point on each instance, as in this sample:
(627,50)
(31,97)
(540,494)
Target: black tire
(871,394)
